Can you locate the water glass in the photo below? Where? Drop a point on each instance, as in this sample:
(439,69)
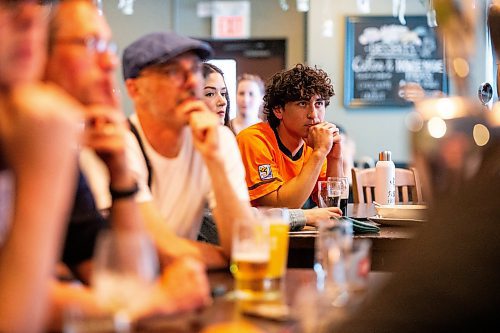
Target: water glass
(329,192)
(358,264)
(333,244)
(344,194)
(124,270)
(75,320)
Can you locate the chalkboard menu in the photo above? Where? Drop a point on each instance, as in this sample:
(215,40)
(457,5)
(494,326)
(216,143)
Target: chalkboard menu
(382,56)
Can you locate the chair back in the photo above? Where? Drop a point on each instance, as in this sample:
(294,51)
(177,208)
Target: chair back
(408,187)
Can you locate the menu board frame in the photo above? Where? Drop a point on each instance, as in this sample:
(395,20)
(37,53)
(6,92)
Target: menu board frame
(377,60)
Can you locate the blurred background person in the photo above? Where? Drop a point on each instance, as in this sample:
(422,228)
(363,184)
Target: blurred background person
(249,93)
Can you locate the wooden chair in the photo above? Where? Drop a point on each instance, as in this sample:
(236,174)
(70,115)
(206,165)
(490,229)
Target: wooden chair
(408,187)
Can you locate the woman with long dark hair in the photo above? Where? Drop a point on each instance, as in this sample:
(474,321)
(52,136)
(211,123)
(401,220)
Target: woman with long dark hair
(215,92)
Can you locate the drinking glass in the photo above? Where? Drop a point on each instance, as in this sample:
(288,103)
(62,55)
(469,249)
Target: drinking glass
(358,264)
(344,194)
(250,257)
(332,246)
(279,225)
(124,270)
(329,192)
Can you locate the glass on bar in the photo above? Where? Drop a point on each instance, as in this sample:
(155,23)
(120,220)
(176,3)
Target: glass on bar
(329,193)
(344,194)
(278,219)
(259,254)
(250,258)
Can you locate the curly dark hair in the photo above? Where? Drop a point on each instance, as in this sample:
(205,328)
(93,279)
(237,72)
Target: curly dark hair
(299,83)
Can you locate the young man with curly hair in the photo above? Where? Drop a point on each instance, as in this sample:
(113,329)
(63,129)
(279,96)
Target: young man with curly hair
(286,156)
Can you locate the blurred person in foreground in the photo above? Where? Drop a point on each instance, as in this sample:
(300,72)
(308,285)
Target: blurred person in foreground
(39,132)
(447,281)
(181,155)
(82,61)
(216,96)
(494,29)
(286,156)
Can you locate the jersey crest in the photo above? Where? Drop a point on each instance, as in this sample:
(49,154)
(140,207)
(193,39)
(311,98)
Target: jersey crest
(265,172)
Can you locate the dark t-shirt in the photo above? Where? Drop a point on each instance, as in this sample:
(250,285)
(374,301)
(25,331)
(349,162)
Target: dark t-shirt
(85,223)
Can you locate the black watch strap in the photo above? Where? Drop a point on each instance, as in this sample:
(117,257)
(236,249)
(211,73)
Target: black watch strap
(123,193)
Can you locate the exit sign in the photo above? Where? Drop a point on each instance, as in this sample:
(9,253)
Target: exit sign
(230,19)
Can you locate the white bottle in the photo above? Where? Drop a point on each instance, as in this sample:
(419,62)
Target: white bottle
(385,179)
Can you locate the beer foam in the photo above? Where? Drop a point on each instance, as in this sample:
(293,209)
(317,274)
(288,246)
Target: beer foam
(255,256)
(278,221)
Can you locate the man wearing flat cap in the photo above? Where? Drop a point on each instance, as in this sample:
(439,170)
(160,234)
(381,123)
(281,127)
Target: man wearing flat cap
(183,159)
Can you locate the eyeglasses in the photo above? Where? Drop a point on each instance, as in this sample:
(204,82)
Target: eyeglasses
(13,7)
(92,44)
(176,72)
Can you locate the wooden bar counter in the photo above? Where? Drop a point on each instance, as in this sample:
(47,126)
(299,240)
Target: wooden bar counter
(386,245)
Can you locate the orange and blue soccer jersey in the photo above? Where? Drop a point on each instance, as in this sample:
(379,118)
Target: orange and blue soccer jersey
(267,166)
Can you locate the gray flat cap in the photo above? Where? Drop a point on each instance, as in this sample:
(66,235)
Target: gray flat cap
(160,47)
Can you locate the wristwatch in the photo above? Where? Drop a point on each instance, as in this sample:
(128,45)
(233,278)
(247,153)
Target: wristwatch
(123,193)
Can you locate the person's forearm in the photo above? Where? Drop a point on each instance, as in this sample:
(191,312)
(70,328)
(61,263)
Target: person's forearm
(297,219)
(295,192)
(28,257)
(334,167)
(125,213)
(229,207)
(171,246)
(67,297)
(212,256)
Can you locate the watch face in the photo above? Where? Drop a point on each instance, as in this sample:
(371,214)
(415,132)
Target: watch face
(485,93)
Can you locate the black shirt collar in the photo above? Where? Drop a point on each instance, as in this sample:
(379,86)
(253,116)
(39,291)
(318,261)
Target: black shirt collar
(285,150)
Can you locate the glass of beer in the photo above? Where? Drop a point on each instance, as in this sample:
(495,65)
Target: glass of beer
(344,192)
(278,220)
(329,192)
(250,258)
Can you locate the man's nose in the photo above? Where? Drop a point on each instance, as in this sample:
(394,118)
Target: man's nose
(312,112)
(192,79)
(27,13)
(108,60)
